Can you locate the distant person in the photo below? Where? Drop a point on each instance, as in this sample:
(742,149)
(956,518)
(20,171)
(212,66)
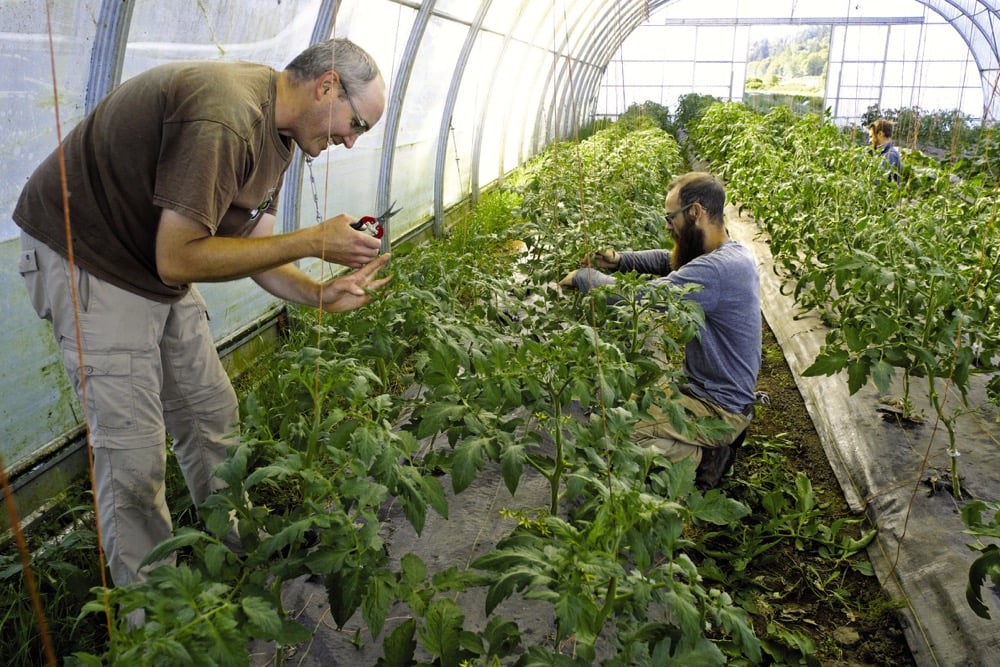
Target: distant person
(722,364)
(173,179)
(880,132)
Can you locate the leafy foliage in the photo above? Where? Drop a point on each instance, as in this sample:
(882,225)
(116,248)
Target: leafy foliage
(474,358)
(987,564)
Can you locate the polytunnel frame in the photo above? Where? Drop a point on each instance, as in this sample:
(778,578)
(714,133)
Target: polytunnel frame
(574,95)
(565,115)
(560,84)
(605,49)
(478,133)
(569,110)
(577,94)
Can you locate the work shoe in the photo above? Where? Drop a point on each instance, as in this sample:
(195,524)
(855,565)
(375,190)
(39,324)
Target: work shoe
(715,463)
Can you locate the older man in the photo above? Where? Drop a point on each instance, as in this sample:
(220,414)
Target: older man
(173,179)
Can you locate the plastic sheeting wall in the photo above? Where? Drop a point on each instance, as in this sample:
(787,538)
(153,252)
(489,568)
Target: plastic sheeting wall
(476,87)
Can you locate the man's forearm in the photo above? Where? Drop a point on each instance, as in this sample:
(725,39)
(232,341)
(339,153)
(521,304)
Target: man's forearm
(655,262)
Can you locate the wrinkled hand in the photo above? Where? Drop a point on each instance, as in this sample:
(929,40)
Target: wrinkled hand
(607,259)
(346,246)
(355,289)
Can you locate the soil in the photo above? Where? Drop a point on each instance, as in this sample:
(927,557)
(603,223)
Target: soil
(870,634)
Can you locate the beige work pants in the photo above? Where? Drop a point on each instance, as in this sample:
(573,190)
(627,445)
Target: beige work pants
(660,435)
(149,369)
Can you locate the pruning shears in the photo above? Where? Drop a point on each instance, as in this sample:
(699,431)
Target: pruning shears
(375,224)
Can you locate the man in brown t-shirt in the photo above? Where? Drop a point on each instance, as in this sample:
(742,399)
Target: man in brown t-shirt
(173,179)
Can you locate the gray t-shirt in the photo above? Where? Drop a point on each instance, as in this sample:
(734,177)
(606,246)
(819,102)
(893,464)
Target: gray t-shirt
(722,366)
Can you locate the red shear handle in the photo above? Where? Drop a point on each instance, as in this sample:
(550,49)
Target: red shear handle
(369,225)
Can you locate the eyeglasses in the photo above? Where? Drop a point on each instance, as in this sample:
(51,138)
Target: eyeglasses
(673,214)
(358,124)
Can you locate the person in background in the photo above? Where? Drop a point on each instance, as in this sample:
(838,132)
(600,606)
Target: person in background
(722,365)
(174,179)
(880,131)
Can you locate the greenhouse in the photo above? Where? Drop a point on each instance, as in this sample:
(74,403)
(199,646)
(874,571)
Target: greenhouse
(479,333)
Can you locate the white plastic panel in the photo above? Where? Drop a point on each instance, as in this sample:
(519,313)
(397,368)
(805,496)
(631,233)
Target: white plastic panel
(28,93)
(504,14)
(36,400)
(468,110)
(413,169)
(461,11)
(218,30)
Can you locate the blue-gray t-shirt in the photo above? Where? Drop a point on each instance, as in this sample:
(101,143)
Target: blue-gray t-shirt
(722,366)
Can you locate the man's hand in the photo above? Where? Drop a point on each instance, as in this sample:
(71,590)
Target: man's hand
(604,260)
(355,289)
(607,259)
(567,281)
(341,244)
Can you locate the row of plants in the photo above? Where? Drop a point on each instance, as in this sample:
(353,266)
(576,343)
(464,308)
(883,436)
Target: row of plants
(907,275)
(690,108)
(475,359)
(953,135)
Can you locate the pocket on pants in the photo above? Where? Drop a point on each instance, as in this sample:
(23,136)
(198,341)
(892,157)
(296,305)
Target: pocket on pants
(28,261)
(110,404)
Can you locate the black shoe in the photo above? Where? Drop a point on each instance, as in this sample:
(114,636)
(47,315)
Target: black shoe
(715,463)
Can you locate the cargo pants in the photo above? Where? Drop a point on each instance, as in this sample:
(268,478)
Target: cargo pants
(148,369)
(660,434)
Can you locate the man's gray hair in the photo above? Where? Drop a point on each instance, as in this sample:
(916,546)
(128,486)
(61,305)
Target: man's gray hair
(354,65)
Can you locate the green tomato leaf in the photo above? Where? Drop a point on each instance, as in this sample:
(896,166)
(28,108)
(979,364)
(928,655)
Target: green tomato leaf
(467,461)
(262,615)
(857,374)
(882,373)
(827,363)
(987,565)
(440,634)
(343,590)
(399,647)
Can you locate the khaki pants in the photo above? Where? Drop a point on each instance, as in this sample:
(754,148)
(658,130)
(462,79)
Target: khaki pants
(660,435)
(149,368)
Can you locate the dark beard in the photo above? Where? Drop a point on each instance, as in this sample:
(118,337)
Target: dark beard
(687,246)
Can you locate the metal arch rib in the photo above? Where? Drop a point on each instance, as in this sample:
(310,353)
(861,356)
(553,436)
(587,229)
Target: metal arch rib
(394,109)
(292,187)
(449,108)
(109,50)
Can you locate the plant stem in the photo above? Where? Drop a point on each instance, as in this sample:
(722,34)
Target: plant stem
(557,463)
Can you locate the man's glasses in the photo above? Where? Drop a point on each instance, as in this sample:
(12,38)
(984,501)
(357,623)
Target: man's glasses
(673,214)
(358,124)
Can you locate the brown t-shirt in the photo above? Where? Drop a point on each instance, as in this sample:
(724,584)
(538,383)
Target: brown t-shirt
(197,138)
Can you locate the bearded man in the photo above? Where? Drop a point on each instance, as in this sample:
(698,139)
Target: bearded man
(722,364)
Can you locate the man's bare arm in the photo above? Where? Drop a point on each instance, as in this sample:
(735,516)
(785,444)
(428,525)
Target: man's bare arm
(186,252)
